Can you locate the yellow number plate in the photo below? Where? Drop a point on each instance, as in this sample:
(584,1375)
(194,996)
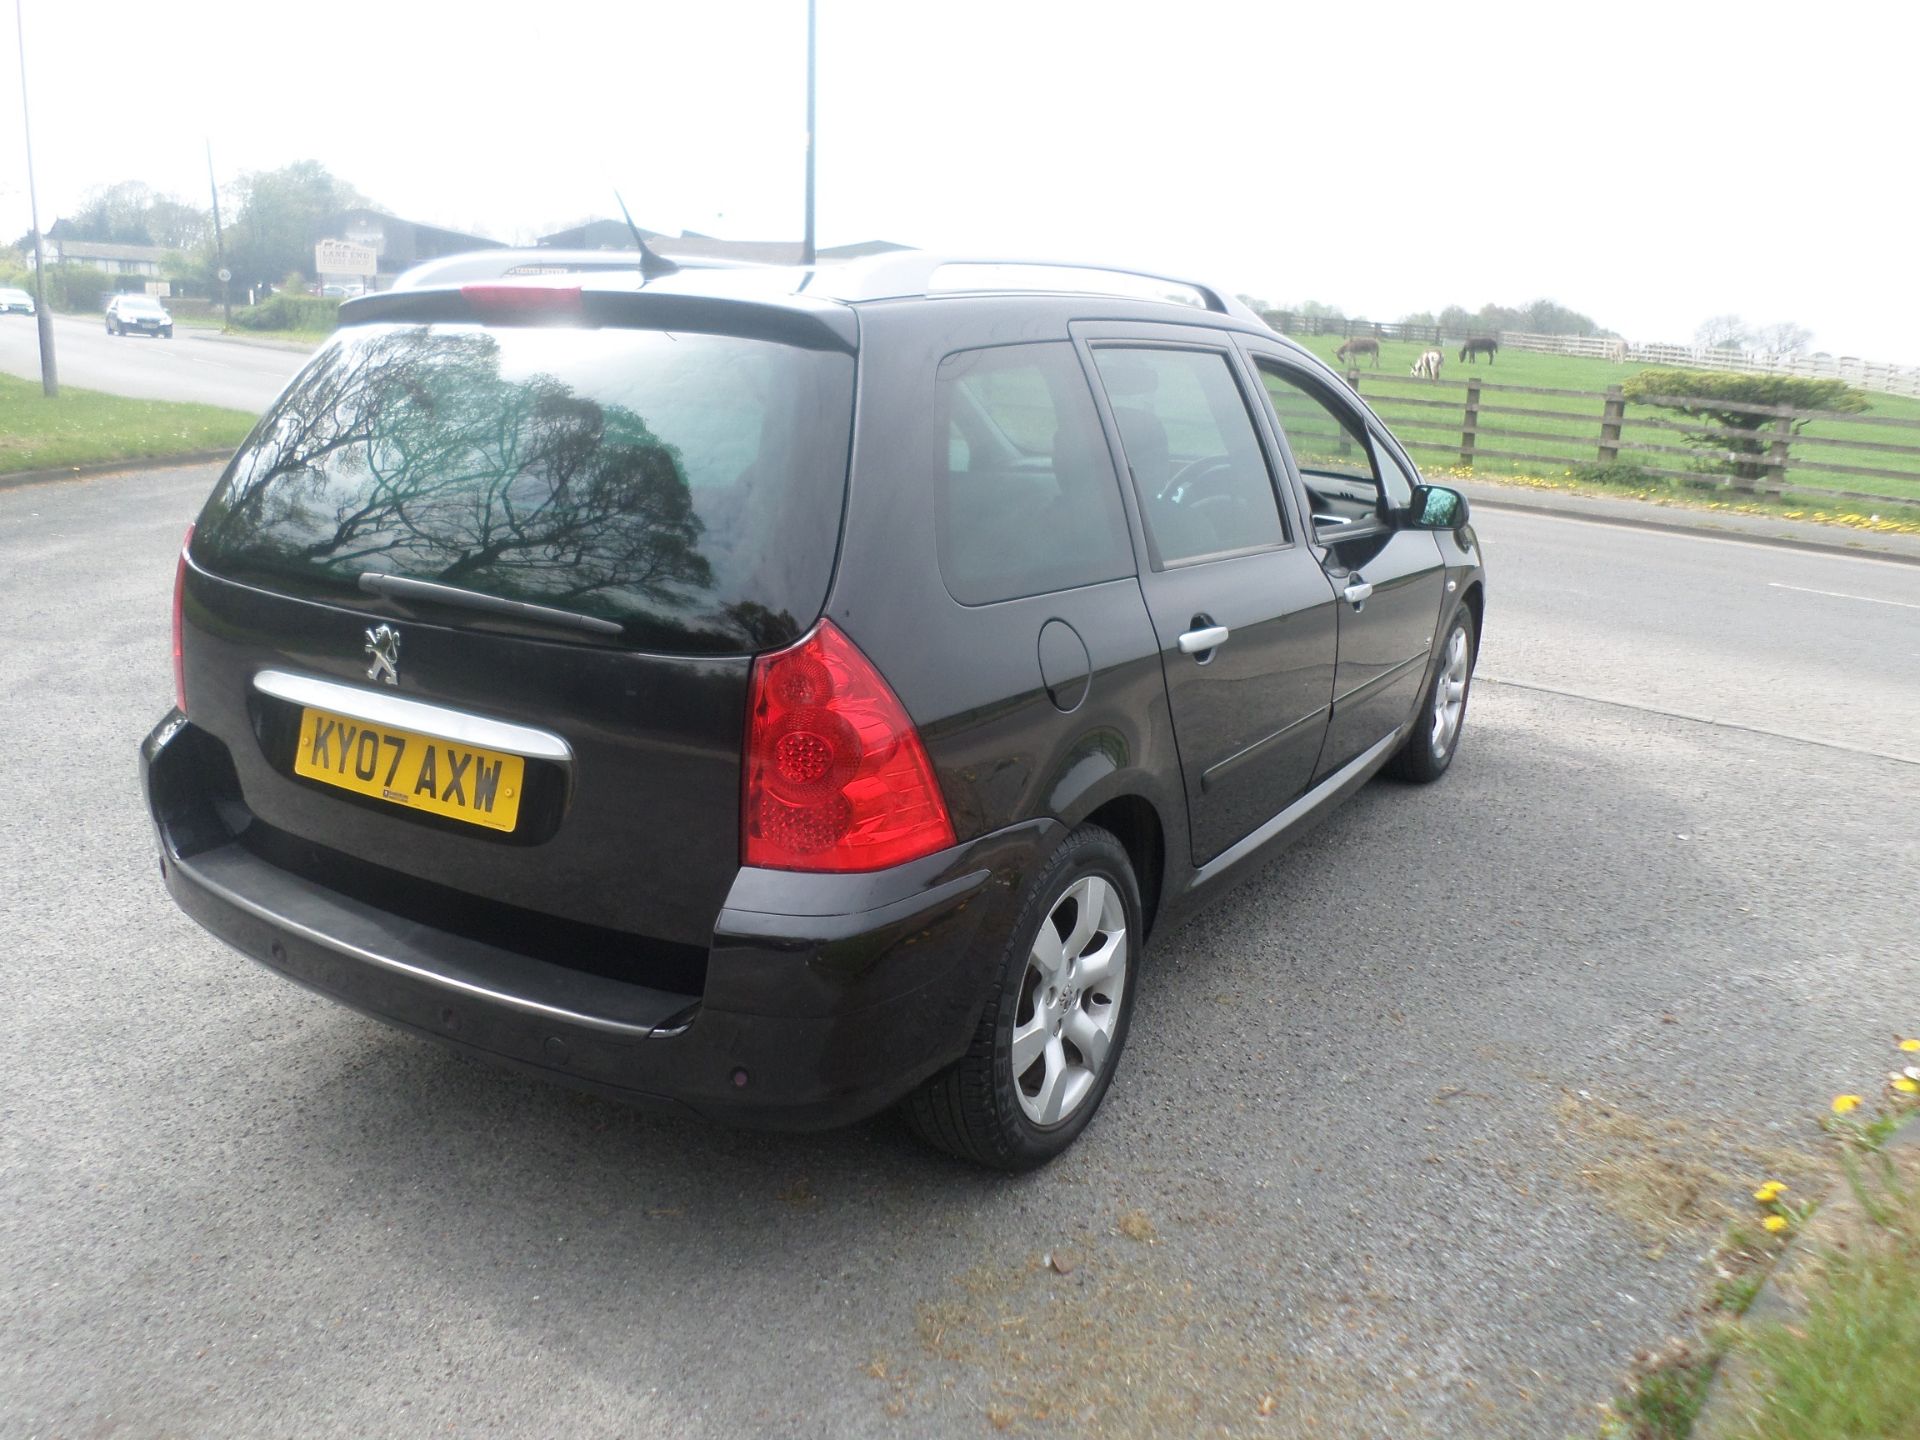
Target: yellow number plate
(481,787)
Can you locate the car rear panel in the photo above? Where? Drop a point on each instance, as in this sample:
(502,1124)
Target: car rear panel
(638,833)
(617,549)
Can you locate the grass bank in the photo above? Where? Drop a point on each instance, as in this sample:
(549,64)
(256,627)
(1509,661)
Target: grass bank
(1811,1328)
(85,427)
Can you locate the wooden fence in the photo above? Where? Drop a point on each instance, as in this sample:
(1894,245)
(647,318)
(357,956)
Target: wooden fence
(1504,423)
(1878,375)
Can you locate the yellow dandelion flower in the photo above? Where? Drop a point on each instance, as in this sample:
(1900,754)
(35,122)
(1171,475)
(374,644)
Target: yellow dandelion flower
(1845,1104)
(1775,1223)
(1769,1192)
(1906,1086)
(1910,1043)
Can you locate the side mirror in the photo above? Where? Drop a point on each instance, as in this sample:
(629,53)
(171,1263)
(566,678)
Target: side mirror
(1436,507)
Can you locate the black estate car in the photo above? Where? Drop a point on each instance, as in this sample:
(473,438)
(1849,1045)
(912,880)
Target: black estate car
(784,693)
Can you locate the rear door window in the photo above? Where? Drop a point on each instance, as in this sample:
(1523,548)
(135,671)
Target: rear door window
(1197,464)
(1028,502)
(686,487)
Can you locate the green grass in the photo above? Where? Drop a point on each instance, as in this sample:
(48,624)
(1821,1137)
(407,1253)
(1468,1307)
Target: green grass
(83,427)
(213,323)
(1849,1368)
(1433,434)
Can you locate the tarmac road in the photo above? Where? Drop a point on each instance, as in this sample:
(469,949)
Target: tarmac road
(195,365)
(1420,1132)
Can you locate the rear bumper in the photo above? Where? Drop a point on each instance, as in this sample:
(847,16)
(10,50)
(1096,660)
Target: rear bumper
(826,998)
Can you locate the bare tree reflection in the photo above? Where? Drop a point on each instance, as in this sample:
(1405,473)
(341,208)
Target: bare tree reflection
(410,452)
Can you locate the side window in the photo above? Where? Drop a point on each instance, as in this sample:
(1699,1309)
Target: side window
(1393,475)
(1197,465)
(1329,447)
(1028,502)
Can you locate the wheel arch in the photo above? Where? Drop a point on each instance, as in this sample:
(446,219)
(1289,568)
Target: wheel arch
(1135,823)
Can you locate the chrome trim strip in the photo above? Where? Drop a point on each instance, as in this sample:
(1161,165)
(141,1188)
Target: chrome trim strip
(1367,687)
(1214,776)
(379,708)
(1240,849)
(387,962)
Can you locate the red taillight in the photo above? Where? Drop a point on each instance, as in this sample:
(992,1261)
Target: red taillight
(837,778)
(179,592)
(509,301)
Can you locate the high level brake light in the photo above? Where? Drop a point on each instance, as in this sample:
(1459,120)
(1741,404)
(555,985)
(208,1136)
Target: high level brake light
(179,595)
(509,302)
(836,776)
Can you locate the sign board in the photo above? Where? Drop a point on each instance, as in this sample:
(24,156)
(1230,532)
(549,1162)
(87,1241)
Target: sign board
(162,288)
(341,257)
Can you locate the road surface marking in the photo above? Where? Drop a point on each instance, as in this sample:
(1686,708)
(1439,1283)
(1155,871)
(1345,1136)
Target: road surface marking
(1842,595)
(1646,709)
(1670,532)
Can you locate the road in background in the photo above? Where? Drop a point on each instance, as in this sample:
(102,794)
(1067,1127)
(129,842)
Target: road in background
(1420,1132)
(1821,646)
(192,366)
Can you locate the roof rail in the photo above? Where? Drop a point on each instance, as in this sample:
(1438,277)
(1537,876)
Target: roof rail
(909,273)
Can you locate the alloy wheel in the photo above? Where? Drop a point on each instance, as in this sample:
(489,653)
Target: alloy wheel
(1450,694)
(1069,1002)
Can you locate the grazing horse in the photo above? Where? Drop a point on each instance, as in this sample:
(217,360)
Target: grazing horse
(1483,345)
(1428,365)
(1360,345)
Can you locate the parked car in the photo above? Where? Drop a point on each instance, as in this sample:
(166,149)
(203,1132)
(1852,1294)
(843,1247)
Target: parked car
(138,315)
(15,301)
(782,695)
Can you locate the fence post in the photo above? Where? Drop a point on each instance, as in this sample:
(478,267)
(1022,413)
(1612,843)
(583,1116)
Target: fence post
(1353,379)
(1777,454)
(1471,425)
(1611,416)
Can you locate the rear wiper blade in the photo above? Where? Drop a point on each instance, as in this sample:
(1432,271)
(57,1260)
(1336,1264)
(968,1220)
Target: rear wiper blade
(401,587)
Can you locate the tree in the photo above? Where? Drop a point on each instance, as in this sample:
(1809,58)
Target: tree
(281,214)
(129,213)
(1783,337)
(1707,395)
(1722,332)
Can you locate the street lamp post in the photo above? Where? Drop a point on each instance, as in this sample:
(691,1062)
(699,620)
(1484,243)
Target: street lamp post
(806,245)
(225,276)
(49,373)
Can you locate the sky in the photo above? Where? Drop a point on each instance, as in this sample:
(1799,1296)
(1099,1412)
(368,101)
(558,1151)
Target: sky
(1648,165)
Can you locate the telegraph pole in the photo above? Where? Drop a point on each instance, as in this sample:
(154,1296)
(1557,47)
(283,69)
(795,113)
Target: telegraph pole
(806,245)
(220,245)
(49,373)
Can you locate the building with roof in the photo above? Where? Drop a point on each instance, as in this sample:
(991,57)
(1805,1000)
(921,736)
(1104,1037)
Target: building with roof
(145,261)
(400,244)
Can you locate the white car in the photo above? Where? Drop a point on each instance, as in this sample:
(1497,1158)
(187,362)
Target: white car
(138,315)
(15,302)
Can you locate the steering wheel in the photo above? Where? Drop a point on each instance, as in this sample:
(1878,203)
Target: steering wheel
(1188,476)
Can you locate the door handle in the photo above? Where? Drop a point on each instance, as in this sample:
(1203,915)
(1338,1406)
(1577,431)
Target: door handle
(1357,592)
(1198,642)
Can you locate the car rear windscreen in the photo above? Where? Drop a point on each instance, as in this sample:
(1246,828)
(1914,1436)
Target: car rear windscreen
(685,487)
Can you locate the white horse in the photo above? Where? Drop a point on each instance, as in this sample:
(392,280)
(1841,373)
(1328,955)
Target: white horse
(1428,365)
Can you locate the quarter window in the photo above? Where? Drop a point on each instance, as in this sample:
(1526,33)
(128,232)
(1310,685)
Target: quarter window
(1202,479)
(1329,447)
(1028,501)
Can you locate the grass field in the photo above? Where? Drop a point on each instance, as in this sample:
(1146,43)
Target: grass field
(85,427)
(1433,432)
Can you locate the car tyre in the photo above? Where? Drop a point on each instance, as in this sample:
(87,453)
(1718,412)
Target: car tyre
(1430,749)
(1062,1002)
